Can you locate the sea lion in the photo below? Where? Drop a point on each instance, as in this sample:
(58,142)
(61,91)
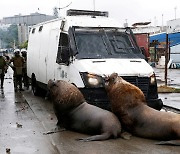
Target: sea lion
(74,113)
(129,104)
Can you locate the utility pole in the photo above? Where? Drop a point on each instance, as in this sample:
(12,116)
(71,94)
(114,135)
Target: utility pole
(166,58)
(162,24)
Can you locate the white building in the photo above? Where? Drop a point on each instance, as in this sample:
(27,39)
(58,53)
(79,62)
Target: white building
(173,26)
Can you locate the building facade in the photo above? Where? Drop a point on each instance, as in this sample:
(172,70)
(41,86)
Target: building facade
(24,22)
(28,20)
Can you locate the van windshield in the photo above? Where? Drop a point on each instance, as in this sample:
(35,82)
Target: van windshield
(105,43)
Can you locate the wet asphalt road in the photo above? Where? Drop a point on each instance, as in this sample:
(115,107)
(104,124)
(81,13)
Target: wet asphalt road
(173,80)
(24,118)
(173,77)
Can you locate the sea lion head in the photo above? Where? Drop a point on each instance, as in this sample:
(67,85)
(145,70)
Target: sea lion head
(65,96)
(111,80)
(50,84)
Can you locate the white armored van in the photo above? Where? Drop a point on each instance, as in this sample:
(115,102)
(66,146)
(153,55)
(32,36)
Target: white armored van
(83,48)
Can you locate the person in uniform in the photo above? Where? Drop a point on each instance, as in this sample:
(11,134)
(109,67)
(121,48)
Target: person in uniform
(3,69)
(25,77)
(18,63)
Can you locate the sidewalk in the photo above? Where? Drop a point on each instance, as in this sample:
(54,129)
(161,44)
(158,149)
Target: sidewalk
(21,132)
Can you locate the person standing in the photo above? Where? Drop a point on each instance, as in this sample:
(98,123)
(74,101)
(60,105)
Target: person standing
(3,69)
(25,77)
(18,63)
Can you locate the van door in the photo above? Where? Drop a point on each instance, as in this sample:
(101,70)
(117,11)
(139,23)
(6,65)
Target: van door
(52,53)
(62,57)
(43,51)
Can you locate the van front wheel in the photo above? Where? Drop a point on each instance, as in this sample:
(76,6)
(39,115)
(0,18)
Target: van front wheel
(35,87)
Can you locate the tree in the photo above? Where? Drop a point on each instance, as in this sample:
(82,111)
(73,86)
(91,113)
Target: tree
(9,36)
(24,45)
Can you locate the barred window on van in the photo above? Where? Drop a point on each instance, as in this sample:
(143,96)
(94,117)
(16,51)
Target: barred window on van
(40,28)
(33,30)
(63,49)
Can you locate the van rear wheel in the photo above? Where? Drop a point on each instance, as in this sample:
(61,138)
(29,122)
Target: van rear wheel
(35,87)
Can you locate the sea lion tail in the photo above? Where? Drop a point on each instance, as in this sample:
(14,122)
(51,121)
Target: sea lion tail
(171,142)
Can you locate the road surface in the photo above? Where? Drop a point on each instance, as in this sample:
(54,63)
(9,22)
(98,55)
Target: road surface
(24,118)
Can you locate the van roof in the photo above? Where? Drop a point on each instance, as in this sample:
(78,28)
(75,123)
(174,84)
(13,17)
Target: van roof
(74,12)
(84,21)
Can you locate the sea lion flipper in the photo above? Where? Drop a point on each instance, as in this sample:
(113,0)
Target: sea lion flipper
(126,135)
(171,142)
(54,130)
(101,137)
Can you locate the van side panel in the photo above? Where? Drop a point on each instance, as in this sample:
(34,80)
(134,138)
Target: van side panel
(33,53)
(52,54)
(42,51)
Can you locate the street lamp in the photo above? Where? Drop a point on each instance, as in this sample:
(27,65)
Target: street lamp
(175,11)
(94,5)
(64,6)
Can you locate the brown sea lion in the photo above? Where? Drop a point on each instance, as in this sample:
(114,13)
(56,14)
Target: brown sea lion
(74,113)
(129,104)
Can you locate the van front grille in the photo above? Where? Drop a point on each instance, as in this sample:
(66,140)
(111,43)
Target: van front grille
(141,82)
(98,96)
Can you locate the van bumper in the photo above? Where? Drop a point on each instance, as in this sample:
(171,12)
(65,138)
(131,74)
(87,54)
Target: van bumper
(98,97)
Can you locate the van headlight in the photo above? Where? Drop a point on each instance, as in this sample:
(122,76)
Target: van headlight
(92,80)
(153,79)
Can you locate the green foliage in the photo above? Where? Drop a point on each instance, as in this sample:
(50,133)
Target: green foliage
(9,36)
(24,45)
